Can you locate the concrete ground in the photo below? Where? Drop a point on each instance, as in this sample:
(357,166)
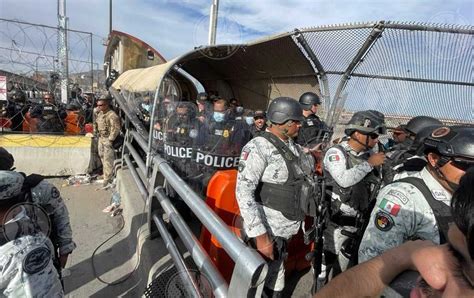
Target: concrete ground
(117,259)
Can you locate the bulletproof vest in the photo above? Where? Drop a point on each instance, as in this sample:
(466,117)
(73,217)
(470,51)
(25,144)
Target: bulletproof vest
(50,111)
(310,132)
(399,161)
(103,125)
(290,198)
(356,196)
(219,138)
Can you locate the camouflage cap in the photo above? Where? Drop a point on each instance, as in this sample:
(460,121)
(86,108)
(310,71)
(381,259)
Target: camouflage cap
(12,183)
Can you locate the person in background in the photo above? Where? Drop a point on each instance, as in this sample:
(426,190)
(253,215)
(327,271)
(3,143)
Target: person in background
(259,124)
(50,114)
(107,127)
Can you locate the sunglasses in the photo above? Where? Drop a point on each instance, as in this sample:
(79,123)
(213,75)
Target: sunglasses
(372,135)
(462,165)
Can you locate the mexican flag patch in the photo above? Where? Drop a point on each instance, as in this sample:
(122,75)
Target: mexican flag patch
(334,157)
(390,207)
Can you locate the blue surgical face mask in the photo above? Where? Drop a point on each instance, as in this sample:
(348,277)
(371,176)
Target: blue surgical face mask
(218,116)
(146,107)
(249,120)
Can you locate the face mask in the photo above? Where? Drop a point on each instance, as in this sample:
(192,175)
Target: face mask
(169,109)
(218,116)
(249,120)
(146,107)
(239,109)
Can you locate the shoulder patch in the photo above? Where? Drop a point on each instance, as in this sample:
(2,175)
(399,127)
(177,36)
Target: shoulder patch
(383,221)
(55,193)
(36,260)
(241,166)
(399,195)
(334,157)
(390,207)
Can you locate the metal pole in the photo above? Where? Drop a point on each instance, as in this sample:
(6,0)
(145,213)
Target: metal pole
(213,22)
(92,67)
(110,17)
(62,49)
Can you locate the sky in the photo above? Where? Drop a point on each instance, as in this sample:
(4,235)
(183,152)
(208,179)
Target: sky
(175,27)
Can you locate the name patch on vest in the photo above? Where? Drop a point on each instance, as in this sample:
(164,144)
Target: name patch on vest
(216,161)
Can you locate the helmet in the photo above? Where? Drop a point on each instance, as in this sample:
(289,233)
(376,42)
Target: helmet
(452,142)
(6,160)
(202,96)
(11,185)
(416,124)
(417,146)
(308,99)
(366,122)
(282,109)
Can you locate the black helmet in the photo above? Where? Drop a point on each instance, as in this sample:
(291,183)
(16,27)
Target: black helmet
(416,124)
(366,122)
(202,96)
(6,160)
(282,109)
(308,99)
(453,142)
(417,146)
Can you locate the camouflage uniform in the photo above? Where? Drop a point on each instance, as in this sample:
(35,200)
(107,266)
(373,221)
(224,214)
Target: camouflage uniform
(260,161)
(107,126)
(26,264)
(48,197)
(335,164)
(402,213)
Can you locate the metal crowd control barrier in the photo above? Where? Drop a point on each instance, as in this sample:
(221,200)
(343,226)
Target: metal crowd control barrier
(250,269)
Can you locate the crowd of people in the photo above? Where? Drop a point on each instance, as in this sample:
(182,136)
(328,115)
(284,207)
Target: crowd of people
(379,209)
(47,114)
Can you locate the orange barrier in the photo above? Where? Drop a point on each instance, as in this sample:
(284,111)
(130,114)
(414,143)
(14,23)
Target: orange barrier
(220,197)
(73,123)
(29,124)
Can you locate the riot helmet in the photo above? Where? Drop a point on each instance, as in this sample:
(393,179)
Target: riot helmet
(452,143)
(202,96)
(308,99)
(417,147)
(283,109)
(6,160)
(416,124)
(366,122)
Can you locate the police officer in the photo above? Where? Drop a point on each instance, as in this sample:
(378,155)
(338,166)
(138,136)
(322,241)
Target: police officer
(311,128)
(183,132)
(259,124)
(107,127)
(417,207)
(270,169)
(26,253)
(51,116)
(48,197)
(349,168)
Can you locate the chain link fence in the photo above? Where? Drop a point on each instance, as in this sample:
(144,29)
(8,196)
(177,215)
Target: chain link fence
(400,69)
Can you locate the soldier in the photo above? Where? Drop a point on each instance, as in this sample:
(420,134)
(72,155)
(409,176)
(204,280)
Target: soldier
(48,197)
(107,126)
(51,115)
(271,170)
(259,124)
(312,128)
(417,207)
(402,156)
(351,174)
(26,262)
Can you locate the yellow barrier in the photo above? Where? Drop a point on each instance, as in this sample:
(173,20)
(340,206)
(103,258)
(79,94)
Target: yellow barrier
(44,141)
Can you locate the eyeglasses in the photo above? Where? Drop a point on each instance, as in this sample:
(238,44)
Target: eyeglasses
(462,165)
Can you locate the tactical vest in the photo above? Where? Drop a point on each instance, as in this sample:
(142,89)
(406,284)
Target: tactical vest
(296,197)
(356,196)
